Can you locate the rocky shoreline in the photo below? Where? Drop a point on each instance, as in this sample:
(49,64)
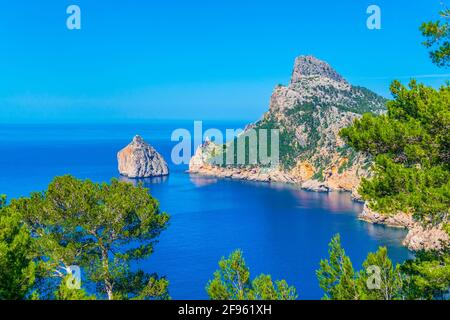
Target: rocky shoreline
(301,175)
(309,113)
(263,175)
(418,237)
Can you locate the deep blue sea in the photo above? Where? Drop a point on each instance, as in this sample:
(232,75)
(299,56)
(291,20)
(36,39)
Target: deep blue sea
(282,231)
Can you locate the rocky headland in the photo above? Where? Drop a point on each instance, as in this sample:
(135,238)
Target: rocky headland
(310,112)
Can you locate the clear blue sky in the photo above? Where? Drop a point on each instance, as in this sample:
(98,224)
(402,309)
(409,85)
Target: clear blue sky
(194,59)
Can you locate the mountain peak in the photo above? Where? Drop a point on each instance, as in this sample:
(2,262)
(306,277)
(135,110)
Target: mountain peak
(138,139)
(307,66)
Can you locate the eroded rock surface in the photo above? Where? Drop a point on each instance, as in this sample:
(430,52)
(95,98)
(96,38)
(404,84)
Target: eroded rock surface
(419,237)
(309,113)
(141,160)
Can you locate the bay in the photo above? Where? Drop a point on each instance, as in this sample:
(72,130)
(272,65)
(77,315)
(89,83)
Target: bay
(283,231)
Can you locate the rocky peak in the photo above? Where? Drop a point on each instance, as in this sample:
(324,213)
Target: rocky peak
(138,140)
(309,66)
(315,82)
(310,112)
(141,160)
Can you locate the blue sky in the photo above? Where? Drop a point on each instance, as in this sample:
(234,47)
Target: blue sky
(139,60)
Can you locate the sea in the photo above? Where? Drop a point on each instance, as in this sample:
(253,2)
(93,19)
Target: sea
(283,231)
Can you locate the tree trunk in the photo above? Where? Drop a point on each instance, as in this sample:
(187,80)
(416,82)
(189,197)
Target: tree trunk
(107,280)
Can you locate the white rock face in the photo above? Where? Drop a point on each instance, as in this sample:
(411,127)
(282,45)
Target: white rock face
(141,160)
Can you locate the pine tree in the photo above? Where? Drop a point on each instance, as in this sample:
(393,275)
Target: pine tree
(64,292)
(428,275)
(438,38)
(336,275)
(17,268)
(380,279)
(102,228)
(411,147)
(232,282)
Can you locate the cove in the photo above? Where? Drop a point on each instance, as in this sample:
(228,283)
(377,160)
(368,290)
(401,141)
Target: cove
(283,231)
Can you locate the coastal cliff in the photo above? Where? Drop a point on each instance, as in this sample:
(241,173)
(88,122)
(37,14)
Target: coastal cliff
(419,237)
(309,113)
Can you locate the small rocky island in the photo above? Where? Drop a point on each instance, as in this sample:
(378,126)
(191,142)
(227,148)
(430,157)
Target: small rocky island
(141,160)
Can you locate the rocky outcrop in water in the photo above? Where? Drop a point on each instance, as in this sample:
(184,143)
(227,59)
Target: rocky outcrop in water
(141,160)
(419,237)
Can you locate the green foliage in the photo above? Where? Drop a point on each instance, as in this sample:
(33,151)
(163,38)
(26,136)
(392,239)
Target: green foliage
(429,275)
(265,289)
(411,146)
(64,292)
(318,175)
(102,228)
(232,282)
(17,268)
(343,167)
(289,147)
(438,39)
(141,286)
(336,275)
(389,285)
(425,277)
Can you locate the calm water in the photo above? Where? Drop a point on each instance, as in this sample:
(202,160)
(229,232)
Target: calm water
(282,231)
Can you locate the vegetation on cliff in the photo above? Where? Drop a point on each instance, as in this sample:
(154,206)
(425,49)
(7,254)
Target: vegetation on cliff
(302,127)
(307,114)
(411,147)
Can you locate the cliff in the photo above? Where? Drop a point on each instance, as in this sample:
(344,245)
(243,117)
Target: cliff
(309,113)
(419,237)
